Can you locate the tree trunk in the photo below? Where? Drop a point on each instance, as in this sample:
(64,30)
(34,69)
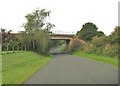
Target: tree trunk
(18,48)
(13,49)
(28,48)
(7,48)
(25,48)
(22,48)
(33,46)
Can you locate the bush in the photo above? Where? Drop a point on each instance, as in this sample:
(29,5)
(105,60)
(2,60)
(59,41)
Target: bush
(89,48)
(99,41)
(110,50)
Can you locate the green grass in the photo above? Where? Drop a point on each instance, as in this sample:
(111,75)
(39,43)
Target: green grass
(18,67)
(105,59)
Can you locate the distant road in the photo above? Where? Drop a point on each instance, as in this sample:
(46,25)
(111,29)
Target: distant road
(56,49)
(70,69)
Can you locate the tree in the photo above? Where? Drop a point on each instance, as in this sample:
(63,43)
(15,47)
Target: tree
(114,41)
(6,37)
(23,39)
(88,31)
(114,36)
(13,44)
(49,26)
(3,30)
(41,41)
(36,20)
(100,33)
(36,29)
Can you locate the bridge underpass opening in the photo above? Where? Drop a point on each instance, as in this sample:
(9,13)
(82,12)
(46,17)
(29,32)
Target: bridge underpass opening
(56,42)
(67,42)
(58,46)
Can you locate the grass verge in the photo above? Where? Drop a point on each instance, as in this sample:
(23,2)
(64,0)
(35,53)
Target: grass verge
(105,59)
(18,67)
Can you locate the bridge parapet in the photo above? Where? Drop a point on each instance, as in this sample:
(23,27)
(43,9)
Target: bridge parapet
(62,32)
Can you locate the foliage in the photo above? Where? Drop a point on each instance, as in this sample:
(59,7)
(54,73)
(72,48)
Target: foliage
(13,45)
(49,26)
(24,40)
(103,45)
(4,47)
(36,19)
(41,41)
(37,29)
(114,36)
(89,48)
(88,31)
(100,33)
(35,37)
(6,35)
(99,41)
(111,50)
(8,40)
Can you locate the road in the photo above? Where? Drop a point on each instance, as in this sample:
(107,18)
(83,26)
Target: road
(70,69)
(57,50)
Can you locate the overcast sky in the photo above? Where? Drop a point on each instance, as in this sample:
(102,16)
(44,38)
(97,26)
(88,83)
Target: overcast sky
(67,15)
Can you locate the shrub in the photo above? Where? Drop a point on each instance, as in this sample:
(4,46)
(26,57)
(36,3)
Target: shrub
(89,48)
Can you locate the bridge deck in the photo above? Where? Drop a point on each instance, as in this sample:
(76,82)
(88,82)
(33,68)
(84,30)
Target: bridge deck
(68,35)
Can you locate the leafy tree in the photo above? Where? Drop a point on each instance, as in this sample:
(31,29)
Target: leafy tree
(100,33)
(36,29)
(41,41)
(3,30)
(23,40)
(49,26)
(114,36)
(13,44)
(36,20)
(7,35)
(104,45)
(88,31)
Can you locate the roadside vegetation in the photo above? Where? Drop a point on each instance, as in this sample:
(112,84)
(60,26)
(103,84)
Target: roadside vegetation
(27,51)
(34,38)
(18,67)
(98,46)
(105,59)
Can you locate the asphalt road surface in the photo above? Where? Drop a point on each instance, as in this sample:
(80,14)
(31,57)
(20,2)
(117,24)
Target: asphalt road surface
(57,50)
(70,69)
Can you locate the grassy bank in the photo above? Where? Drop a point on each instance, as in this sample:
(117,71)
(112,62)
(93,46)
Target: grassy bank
(105,59)
(18,67)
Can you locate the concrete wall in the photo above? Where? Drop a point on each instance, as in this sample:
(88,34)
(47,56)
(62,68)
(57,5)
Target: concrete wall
(74,43)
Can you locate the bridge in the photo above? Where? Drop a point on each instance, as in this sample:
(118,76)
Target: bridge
(71,39)
(61,36)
